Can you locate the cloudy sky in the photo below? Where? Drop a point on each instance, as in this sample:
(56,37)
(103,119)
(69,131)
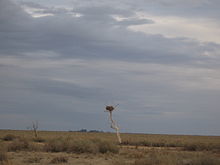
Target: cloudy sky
(61,62)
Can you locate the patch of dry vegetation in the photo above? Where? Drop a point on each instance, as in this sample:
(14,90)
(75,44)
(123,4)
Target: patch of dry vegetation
(39,139)
(59,159)
(4,158)
(103,149)
(22,144)
(80,146)
(161,158)
(9,137)
(19,145)
(35,159)
(187,143)
(149,140)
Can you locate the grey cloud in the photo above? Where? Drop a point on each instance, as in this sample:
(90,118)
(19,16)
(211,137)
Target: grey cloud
(40,9)
(66,89)
(103,10)
(135,22)
(10,13)
(185,8)
(197,9)
(32,4)
(146,95)
(93,36)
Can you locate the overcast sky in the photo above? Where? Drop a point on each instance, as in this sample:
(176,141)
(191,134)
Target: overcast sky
(61,62)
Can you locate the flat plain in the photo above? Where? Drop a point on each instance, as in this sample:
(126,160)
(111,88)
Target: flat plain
(77,148)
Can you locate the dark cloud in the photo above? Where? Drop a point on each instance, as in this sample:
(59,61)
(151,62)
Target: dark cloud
(95,36)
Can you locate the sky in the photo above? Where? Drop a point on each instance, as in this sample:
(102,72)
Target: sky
(62,62)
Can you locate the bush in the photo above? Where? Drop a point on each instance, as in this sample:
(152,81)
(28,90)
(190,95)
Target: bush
(22,145)
(3,156)
(33,160)
(83,147)
(79,146)
(59,159)
(39,139)
(191,147)
(196,147)
(105,147)
(56,145)
(119,162)
(166,158)
(151,160)
(204,160)
(9,137)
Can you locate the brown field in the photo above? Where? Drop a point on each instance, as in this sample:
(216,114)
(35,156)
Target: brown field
(75,148)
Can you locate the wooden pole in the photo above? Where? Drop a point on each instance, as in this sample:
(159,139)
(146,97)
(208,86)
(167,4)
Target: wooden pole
(115,127)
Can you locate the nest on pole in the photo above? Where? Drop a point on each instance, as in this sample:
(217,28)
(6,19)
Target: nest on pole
(109,108)
(114,126)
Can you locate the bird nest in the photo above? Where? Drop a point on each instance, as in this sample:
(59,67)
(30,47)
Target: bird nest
(109,108)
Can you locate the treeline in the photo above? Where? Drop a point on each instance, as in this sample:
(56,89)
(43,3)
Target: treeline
(85,130)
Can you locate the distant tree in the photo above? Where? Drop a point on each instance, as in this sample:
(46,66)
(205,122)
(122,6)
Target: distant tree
(94,131)
(35,127)
(83,130)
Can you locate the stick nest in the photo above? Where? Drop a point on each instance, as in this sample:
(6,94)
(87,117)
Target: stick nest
(109,108)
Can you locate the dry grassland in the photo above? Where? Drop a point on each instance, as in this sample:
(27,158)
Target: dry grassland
(75,148)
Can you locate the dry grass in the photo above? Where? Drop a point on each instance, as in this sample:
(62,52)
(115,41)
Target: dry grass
(3,156)
(18,145)
(103,149)
(59,159)
(151,140)
(190,143)
(9,137)
(80,146)
(39,140)
(162,158)
(22,144)
(34,159)
(120,162)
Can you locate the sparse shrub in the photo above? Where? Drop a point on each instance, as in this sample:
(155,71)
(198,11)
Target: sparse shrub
(33,160)
(9,137)
(177,144)
(59,159)
(191,147)
(56,145)
(145,143)
(125,142)
(80,146)
(192,144)
(119,162)
(39,140)
(3,157)
(152,159)
(136,154)
(166,158)
(204,160)
(105,147)
(83,147)
(196,147)
(18,144)
(147,161)
(158,144)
